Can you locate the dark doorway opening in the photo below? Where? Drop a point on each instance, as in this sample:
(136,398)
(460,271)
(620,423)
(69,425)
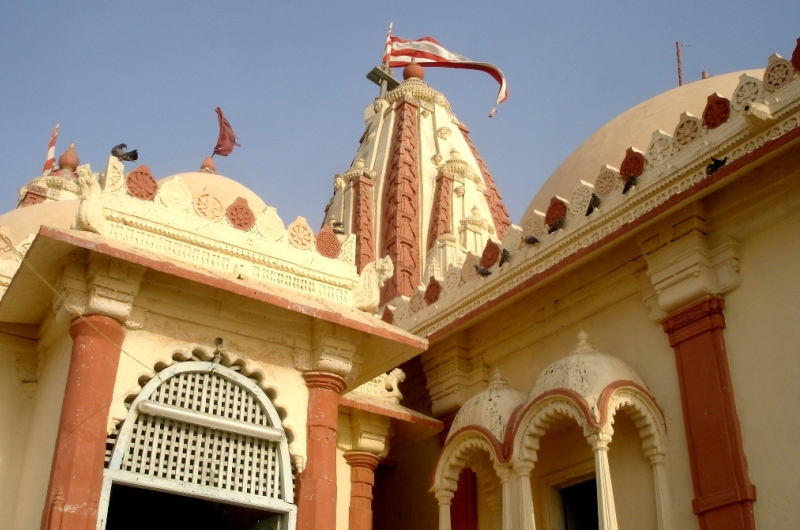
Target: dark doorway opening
(137,508)
(579,503)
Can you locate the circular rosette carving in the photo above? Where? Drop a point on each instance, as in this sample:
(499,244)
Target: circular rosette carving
(557,208)
(633,164)
(348,253)
(417,302)
(778,74)
(208,206)
(491,252)
(660,147)
(433,291)
(300,235)
(141,184)
(468,271)
(269,225)
(749,90)
(687,131)
(240,216)
(452,279)
(327,243)
(717,111)
(174,195)
(579,202)
(533,225)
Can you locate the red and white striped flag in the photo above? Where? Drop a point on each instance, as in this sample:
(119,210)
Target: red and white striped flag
(51,152)
(428,52)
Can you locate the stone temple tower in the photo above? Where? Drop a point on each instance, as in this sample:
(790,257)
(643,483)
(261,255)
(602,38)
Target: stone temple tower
(418,190)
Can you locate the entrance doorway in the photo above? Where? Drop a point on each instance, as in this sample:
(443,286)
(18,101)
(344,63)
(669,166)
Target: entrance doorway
(579,504)
(136,508)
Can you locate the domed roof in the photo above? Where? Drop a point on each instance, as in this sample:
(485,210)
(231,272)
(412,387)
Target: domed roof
(632,128)
(227,190)
(23,222)
(585,371)
(491,409)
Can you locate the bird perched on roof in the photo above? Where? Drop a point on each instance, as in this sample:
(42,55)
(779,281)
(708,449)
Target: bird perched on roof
(483,272)
(630,183)
(715,165)
(122,155)
(530,240)
(557,225)
(505,255)
(594,202)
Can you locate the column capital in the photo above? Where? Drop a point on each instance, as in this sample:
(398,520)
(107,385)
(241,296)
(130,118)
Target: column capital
(698,317)
(523,468)
(444,496)
(362,459)
(599,441)
(325,380)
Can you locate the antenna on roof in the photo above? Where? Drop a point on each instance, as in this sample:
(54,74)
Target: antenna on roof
(678,47)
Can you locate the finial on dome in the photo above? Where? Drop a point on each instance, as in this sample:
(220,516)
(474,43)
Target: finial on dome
(455,154)
(497,378)
(413,70)
(208,165)
(69,159)
(584,346)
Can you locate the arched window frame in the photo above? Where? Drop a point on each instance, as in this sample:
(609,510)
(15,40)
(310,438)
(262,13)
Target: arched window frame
(283,505)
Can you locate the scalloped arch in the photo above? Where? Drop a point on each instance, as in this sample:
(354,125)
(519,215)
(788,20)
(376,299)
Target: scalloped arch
(646,415)
(455,454)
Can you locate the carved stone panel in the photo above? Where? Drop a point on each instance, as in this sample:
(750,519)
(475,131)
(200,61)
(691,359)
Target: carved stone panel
(300,234)
(632,164)
(687,131)
(327,243)
(579,201)
(660,148)
(433,291)
(208,206)
(491,252)
(778,73)
(141,184)
(717,111)
(240,215)
(269,225)
(174,195)
(557,208)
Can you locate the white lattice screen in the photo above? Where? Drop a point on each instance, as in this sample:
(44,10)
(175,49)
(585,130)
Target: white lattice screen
(204,430)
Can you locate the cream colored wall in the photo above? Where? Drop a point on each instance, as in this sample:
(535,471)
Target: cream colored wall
(15,415)
(342,491)
(762,338)
(41,438)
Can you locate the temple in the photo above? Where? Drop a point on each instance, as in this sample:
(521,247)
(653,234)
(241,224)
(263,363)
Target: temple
(175,354)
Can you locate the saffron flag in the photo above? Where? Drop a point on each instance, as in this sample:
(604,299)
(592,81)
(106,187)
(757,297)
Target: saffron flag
(51,152)
(428,52)
(227,138)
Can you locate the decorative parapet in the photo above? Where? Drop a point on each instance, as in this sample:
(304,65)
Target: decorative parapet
(673,166)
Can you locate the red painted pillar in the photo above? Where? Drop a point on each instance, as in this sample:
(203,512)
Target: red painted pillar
(76,475)
(362,479)
(723,493)
(316,497)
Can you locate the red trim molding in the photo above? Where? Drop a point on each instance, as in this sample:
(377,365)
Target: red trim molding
(723,493)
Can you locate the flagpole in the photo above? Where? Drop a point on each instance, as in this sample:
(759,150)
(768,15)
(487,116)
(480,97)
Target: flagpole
(51,151)
(387,50)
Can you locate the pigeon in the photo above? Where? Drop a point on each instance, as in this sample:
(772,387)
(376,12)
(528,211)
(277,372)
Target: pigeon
(557,224)
(338,227)
(715,165)
(505,255)
(531,240)
(630,183)
(594,202)
(126,156)
(482,271)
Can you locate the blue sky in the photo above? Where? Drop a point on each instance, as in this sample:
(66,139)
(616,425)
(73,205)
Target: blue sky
(290,77)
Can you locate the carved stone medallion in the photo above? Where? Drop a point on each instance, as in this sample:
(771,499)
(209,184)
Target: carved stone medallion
(660,147)
(300,234)
(468,271)
(444,133)
(433,291)
(632,164)
(174,195)
(141,184)
(240,216)
(348,253)
(778,73)
(607,183)
(717,111)
(269,225)
(749,90)
(452,279)
(557,208)
(491,252)
(208,206)
(417,301)
(579,202)
(327,243)
(687,131)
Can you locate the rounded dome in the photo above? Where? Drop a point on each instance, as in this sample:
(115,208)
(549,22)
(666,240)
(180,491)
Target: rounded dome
(226,189)
(491,409)
(632,128)
(23,222)
(585,371)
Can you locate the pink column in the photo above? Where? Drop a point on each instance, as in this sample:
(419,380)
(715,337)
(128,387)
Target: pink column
(362,479)
(76,475)
(316,497)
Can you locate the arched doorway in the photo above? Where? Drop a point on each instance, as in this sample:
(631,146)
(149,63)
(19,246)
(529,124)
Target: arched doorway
(210,435)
